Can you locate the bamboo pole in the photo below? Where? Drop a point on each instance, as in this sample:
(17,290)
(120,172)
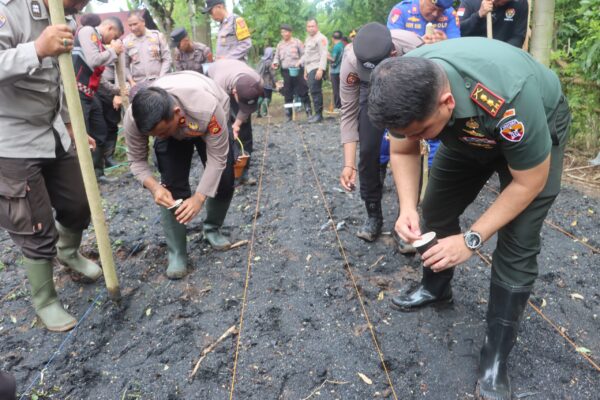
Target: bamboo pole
(67,72)
(488,22)
(120,75)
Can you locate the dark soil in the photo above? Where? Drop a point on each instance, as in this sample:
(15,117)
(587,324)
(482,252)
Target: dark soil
(303,322)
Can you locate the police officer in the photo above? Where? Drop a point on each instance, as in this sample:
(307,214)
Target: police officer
(492,116)
(183,111)
(147,54)
(109,94)
(39,173)
(413,15)
(90,59)
(233,38)
(288,54)
(244,87)
(509,19)
(373,43)
(189,55)
(314,60)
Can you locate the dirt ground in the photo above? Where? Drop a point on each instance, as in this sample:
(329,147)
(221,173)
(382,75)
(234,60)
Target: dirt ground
(304,333)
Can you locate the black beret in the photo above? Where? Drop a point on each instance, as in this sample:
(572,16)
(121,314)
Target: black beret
(178,35)
(372,44)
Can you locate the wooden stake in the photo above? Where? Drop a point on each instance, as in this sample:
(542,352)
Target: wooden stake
(120,75)
(488,21)
(425,172)
(229,332)
(67,72)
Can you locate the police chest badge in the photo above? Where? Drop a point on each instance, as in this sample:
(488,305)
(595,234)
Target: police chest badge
(213,126)
(36,9)
(2,20)
(513,130)
(352,79)
(509,14)
(490,102)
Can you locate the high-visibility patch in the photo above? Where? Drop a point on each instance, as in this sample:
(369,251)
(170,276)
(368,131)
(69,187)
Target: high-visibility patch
(489,101)
(241,29)
(213,126)
(352,78)
(513,130)
(2,20)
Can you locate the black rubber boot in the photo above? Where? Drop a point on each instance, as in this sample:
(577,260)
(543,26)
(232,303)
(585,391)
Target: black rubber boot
(371,229)
(318,117)
(434,288)
(98,161)
(505,310)
(288,114)
(308,109)
(109,152)
(382,173)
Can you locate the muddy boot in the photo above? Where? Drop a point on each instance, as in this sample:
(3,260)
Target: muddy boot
(68,255)
(434,288)
(44,298)
(265,107)
(109,152)
(216,211)
(8,387)
(98,160)
(318,117)
(259,107)
(504,313)
(175,234)
(403,247)
(372,226)
(288,114)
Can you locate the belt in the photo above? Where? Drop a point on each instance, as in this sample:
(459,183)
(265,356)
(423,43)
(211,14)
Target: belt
(85,89)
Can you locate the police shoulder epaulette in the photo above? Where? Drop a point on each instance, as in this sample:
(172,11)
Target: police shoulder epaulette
(489,101)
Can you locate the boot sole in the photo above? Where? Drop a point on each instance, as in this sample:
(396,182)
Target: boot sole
(437,304)
(76,276)
(61,329)
(488,396)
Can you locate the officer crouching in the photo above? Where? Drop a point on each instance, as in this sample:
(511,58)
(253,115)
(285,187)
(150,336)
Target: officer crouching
(183,111)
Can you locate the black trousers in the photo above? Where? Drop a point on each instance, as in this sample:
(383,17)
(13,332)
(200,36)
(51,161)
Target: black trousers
(369,137)
(245,134)
(174,161)
(112,118)
(31,190)
(94,119)
(335,82)
(316,91)
(294,85)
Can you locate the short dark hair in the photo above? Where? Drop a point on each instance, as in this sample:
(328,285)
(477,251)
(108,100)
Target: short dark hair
(150,106)
(312,19)
(136,13)
(404,90)
(116,22)
(90,20)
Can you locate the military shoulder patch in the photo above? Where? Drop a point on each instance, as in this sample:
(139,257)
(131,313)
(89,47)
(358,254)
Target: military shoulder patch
(507,114)
(486,99)
(2,20)
(94,38)
(352,78)
(395,15)
(241,29)
(513,130)
(213,126)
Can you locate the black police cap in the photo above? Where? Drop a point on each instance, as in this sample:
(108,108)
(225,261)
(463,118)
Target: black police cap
(210,4)
(178,35)
(372,44)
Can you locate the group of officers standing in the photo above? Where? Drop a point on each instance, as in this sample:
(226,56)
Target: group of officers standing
(494,108)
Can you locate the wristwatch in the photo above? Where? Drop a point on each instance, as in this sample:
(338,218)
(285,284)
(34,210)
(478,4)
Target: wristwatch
(473,240)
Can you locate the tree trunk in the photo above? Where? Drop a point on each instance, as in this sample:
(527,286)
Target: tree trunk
(543,27)
(192,11)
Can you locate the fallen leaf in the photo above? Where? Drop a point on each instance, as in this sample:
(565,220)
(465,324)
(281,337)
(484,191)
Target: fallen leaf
(574,223)
(308,257)
(576,296)
(543,303)
(365,378)
(583,350)
(590,211)
(166,367)
(13,319)
(148,312)
(380,296)
(257,258)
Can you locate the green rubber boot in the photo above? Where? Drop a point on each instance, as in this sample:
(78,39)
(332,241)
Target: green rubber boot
(175,234)
(216,211)
(68,244)
(44,298)
(265,107)
(259,113)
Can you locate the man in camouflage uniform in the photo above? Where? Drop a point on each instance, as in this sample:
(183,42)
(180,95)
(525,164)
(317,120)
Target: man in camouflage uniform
(233,39)
(39,172)
(147,54)
(189,55)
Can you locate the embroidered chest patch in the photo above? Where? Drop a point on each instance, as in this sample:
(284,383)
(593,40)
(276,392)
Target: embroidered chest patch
(213,126)
(490,102)
(513,130)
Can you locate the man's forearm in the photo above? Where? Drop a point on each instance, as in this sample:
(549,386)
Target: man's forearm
(350,154)
(406,169)
(151,184)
